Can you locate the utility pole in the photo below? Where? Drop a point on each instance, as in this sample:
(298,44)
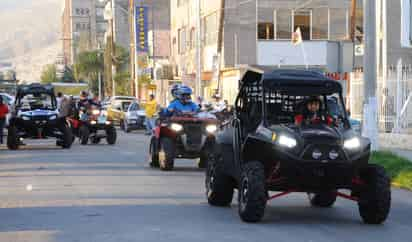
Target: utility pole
(370,115)
(220,44)
(353,21)
(198,84)
(113,30)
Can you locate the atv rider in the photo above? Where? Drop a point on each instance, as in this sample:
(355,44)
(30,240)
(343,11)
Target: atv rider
(183,103)
(311,114)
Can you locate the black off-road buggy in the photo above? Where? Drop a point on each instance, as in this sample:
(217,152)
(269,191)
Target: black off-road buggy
(263,150)
(188,136)
(36,117)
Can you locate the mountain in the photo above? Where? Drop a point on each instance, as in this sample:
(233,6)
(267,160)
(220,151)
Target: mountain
(30,33)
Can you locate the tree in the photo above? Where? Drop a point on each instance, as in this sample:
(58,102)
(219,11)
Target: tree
(89,65)
(48,74)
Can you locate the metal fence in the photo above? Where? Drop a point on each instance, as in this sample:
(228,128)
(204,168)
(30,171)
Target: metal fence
(394,93)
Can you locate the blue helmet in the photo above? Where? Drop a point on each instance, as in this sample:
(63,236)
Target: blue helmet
(184,93)
(174,90)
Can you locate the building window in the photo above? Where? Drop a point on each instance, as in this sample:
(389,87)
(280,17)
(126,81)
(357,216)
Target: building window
(283,24)
(210,29)
(192,38)
(182,40)
(301,19)
(78,11)
(265,31)
(87,11)
(320,23)
(338,24)
(78,26)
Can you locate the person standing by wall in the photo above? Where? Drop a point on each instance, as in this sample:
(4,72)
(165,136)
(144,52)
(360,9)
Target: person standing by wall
(151,108)
(4,110)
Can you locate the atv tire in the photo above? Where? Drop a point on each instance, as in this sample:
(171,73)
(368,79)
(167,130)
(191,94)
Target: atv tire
(111,135)
(67,140)
(252,195)
(219,187)
(154,153)
(13,141)
(375,199)
(322,199)
(84,134)
(166,154)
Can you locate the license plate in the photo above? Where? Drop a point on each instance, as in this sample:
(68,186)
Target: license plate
(102,120)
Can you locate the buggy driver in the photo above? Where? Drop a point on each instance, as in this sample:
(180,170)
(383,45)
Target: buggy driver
(311,114)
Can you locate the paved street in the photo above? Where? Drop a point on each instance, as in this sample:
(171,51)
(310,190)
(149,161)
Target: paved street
(108,193)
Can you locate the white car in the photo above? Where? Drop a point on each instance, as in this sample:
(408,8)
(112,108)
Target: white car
(134,118)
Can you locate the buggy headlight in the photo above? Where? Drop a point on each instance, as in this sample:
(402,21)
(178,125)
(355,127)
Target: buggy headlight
(25,118)
(211,128)
(53,117)
(96,112)
(352,143)
(287,141)
(176,127)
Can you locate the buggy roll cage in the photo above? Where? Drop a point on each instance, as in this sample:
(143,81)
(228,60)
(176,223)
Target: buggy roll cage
(287,87)
(33,89)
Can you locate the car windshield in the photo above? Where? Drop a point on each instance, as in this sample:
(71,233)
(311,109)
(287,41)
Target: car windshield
(36,101)
(283,108)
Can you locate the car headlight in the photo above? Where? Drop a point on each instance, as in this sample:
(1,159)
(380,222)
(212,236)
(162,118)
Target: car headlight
(96,112)
(53,117)
(211,128)
(352,143)
(287,141)
(176,127)
(25,118)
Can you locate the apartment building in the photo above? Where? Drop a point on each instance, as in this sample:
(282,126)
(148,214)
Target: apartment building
(83,27)
(258,33)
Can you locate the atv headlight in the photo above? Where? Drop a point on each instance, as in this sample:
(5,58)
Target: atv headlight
(96,112)
(211,128)
(93,122)
(25,118)
(176,127)
(53,117)
(352,143)
(287,141)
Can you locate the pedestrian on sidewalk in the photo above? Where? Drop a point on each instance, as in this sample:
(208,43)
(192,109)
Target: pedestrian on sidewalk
(4,110)
(150,108)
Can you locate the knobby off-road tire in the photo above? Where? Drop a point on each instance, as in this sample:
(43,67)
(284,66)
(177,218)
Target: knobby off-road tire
(375,199)
(67,140)
(84,134)
(252,192)
(322,199)
(154,153)
(166,154)
(219,187)
(12,138)
(111,135)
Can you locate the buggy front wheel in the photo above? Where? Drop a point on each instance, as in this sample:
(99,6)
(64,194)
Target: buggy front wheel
(252,192)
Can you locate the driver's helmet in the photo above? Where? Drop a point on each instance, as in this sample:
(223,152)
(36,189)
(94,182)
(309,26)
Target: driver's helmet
(184,94)
(84,95)
(174,90)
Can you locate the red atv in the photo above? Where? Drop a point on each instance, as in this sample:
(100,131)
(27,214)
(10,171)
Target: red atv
(187,136)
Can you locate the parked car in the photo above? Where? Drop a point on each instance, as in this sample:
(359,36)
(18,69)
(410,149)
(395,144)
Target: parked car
(117,107)
(134,118)
(263,150)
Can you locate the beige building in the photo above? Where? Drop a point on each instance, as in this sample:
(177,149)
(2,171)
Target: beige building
(258,33)
(83,27)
